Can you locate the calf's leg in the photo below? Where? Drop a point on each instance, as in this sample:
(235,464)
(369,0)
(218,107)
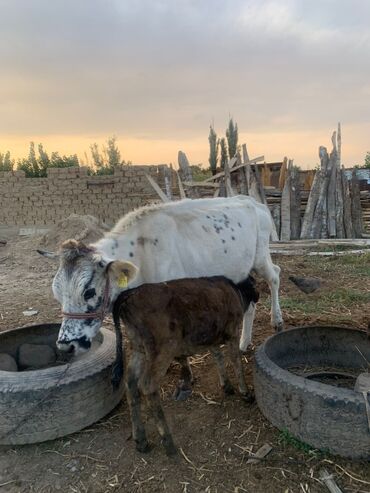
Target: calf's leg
(134,371)
(183,389)
(156,410)
(236,361)
(224,381)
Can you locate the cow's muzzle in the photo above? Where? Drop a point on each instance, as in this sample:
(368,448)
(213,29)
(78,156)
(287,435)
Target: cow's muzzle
(75,346)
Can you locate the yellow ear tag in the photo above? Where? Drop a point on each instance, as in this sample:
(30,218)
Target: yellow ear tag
(122,281)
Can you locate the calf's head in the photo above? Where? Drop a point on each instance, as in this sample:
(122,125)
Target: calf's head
(86,284)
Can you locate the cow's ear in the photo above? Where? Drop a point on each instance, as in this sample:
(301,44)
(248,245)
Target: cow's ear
(52,255)
(122,272)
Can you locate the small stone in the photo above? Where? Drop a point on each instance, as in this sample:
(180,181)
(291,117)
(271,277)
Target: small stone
(30,313)
(7,363)
(36,356)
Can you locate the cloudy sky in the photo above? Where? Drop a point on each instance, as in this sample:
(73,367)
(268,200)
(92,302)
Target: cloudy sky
(156,73)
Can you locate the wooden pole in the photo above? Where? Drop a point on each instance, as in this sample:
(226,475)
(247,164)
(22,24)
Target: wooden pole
(185,172)
(285,207)
(248,167)
(228,188)
(347,207)
(283,172)
(311,206)
(295,204)
(357,224)
(339,198)
(331,212)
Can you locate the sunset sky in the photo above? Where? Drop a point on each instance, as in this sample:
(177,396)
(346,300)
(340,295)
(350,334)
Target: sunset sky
(156,73)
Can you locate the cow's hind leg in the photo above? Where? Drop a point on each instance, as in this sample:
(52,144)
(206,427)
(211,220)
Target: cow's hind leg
(184,386)
(134,371)
(220,364)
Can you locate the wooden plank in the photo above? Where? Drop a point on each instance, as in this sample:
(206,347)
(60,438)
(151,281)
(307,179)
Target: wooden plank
(181,188)
(339,214)
(248,166)
(285,208)
(235,168)
(260,454)
(311,206)
(295,204)
(201,184)
(186,173)
(283,172)
(168,182)
(222,173)
(347,207)
(276,251)
(357,224)
(229,189)
(331,201)
(242,176)
(156,187)
(329,482)
(320,217)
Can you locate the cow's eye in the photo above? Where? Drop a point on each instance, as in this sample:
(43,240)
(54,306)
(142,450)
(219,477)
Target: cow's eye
(89,293)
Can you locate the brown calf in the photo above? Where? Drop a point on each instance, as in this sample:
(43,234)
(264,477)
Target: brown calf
(177,319)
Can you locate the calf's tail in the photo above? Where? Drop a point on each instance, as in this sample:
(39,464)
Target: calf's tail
(118,365)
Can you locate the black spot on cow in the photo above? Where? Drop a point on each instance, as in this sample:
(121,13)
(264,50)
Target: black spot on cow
(205,228)
(223,241)
(208,217)
(232,229)
(132,243)
(131,254)
(233,238)
(225,251)
(89,293)
(239,225)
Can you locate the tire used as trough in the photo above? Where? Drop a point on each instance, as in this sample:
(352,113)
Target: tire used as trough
(40,405)
(323,416)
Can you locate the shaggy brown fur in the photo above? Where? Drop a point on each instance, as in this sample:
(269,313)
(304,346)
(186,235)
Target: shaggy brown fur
(176,319)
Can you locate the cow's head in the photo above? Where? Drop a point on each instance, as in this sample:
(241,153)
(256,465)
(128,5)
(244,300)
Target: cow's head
(86,285)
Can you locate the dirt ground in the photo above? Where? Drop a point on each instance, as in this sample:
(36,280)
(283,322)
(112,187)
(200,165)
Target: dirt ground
(215,434)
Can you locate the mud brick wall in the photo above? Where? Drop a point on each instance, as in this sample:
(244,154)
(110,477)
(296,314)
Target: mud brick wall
(45,201)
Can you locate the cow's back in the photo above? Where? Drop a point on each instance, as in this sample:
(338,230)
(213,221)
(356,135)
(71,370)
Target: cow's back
(191,238)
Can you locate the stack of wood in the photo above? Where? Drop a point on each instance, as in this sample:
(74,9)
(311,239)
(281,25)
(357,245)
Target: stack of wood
(333,208)
(290,208)
(365,206)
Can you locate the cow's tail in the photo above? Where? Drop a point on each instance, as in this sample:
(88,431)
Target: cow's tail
(248,292)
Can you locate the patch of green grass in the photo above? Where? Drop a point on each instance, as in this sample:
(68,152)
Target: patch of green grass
(351,265)
(287,439)
(337,299)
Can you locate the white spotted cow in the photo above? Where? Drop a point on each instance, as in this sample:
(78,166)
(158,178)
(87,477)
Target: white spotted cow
(184,239)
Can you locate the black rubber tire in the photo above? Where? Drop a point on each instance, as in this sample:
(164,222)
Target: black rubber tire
(323,416)
(41,405)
